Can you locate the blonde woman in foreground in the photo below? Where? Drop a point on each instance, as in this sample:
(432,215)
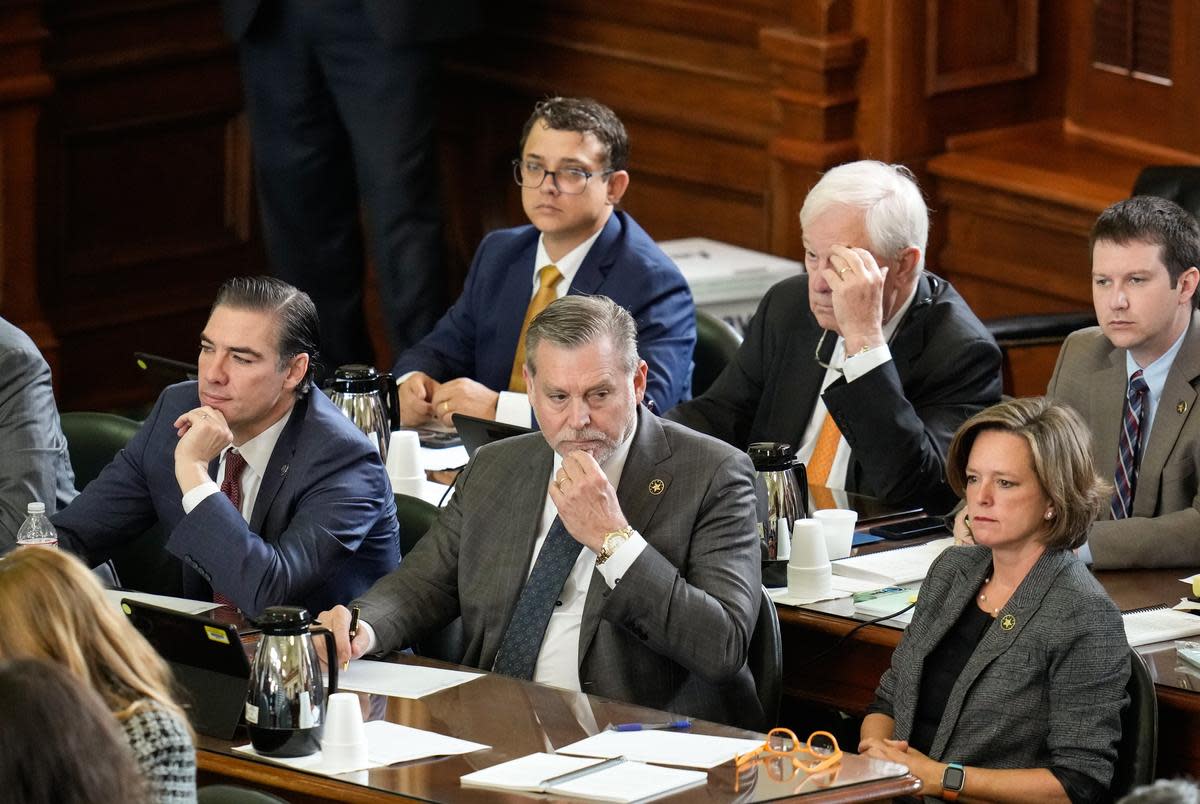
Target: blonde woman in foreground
(55,610)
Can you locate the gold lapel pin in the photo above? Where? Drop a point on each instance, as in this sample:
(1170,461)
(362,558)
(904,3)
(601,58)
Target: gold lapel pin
(1181,407)
(1008,622)
(657,486)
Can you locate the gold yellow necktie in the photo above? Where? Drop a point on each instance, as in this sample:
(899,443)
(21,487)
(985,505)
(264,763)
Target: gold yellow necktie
(548,279)
(821,462)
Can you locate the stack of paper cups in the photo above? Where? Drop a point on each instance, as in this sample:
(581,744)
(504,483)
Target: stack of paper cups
(809,573)
(404,463)
(344,743)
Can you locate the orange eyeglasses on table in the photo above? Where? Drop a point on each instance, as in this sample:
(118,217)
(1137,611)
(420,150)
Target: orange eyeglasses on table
(784,755)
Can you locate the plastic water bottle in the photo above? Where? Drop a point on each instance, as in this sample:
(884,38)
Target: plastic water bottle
(36,529)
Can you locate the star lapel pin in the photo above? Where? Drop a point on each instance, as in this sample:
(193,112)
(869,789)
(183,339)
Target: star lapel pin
(1008,622)
(657,486)
(1181,408)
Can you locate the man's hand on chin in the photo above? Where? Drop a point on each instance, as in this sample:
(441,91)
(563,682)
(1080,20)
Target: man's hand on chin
(203,433)
(586,502)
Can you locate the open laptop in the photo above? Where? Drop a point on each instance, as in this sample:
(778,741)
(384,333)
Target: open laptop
(164,368)
(476,433)
(208,661)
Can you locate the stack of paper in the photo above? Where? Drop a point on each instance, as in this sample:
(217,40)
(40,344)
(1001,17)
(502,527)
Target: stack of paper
(621,781)
(400,680)
(1147,626)
(893,567)
(665,747)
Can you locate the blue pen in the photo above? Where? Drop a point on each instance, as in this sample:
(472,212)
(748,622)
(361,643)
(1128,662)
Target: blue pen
(673,724)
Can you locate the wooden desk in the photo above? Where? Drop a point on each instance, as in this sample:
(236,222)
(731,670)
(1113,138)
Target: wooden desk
(517,718)
(847,677)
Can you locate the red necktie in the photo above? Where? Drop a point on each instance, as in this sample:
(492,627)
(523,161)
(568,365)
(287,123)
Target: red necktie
(231,487)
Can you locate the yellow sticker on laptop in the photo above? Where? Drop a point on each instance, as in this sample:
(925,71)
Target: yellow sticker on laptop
(216,635)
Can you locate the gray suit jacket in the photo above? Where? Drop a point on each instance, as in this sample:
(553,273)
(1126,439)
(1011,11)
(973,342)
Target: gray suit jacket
(674,632)
(1047,693)
(1164,530)
(34,464)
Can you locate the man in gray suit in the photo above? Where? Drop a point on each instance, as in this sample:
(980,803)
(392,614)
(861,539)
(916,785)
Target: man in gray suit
(35,465)
(1145,253)
(651,528)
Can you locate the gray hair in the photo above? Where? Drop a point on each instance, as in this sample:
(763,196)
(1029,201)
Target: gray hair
(1164,791)
(895,215)
(577,320)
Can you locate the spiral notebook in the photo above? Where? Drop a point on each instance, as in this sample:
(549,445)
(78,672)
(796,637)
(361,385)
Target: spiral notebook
(1158,624)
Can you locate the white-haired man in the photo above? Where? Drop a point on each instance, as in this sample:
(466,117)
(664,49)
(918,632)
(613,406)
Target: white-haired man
(872,381)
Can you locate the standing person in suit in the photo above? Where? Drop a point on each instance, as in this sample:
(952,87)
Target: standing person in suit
(36,464)
(572,174)
(1145,253)
(340,95)
(268,492)
(867,363)
(642,530)
(1010,681)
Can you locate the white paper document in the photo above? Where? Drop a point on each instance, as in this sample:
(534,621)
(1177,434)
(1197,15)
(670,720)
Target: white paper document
(842,586)
(387,744)
(400,680)
(1147,626)
(434,460)
(664,747)
(893,567)
(625,781)
(181,604)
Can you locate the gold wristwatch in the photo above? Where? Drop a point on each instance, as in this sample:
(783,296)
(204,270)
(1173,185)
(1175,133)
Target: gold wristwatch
(611,542)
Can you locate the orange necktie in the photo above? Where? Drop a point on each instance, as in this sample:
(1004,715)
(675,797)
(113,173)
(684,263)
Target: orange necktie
(821,462)
(547,278)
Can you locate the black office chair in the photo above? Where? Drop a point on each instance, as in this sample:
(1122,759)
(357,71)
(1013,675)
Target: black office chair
(716,344)
(766,660)
(235,794)
(1178,183)
(415,516)
(1137,752)
(93,440)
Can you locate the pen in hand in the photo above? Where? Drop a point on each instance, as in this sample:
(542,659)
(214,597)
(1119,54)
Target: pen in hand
(354,612)
(671,724)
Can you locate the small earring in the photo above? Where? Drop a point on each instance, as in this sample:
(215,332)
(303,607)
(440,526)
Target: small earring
(1050,514)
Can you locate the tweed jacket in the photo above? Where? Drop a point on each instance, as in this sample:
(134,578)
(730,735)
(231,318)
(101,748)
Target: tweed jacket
(1164,529)
(673,634)
(1048,692)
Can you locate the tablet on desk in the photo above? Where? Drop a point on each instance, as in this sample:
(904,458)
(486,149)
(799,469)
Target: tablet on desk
(207,660)
(476,433)
(164,368)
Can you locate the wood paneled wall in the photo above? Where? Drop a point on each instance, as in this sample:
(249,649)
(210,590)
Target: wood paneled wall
(127,188)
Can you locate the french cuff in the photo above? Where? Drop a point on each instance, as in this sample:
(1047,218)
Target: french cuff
(514,408)
(859,364)
(622,559)
(198,495)
(372,640)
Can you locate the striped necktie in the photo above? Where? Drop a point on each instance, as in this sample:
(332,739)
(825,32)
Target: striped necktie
(547,283)
(1129,448)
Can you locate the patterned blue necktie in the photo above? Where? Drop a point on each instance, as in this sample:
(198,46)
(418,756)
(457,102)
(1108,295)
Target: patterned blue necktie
(522,641)
(1130,447)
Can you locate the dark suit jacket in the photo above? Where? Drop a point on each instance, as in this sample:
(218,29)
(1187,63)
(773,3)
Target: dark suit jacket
(478,336)
(323,527)
(398,22)
(898,419)
(1164,529)
(674,632)
(1048,692)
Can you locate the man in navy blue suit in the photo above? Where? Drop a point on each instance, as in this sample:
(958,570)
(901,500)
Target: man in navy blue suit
(268,493)
(572,174)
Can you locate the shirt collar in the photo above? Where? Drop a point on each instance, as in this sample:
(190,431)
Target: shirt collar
(257,451)
(569,265)
(1155,374)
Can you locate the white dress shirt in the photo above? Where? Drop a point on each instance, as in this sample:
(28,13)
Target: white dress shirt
(257,454)
(853,367)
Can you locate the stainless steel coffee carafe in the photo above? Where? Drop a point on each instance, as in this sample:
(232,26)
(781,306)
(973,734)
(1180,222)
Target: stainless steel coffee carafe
(782,495)
(285,704)
(369,399)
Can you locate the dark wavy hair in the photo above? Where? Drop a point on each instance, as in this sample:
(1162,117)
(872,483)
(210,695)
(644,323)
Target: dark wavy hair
(585,116)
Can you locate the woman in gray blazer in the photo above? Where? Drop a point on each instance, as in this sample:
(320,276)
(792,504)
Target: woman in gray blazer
(1010,681)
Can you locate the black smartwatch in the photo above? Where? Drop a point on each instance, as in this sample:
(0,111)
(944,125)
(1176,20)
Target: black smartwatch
(953,779)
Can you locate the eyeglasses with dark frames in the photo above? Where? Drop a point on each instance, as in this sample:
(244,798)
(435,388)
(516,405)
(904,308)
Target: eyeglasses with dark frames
(568,181)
